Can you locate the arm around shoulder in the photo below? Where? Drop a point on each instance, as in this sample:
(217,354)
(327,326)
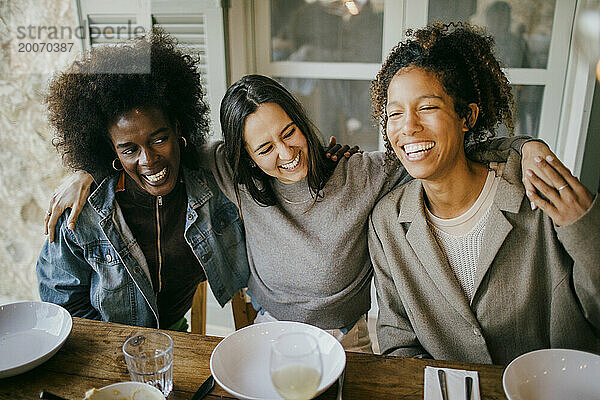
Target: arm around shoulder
(64,276)
(581,237)
(581,240)
(212,158)
(498,149)
(377,172)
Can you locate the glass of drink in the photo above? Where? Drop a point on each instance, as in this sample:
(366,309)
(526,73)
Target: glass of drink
(149,358)
(296,366)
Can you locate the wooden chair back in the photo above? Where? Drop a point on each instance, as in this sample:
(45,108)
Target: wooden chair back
(243,312)
(198,322)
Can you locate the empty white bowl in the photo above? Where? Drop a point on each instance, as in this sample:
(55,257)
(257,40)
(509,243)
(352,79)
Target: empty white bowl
(553,374)
(30,333)
(125,390)
(240,362)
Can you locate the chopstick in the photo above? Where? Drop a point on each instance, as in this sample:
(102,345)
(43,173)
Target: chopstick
(468,387)
(443,385)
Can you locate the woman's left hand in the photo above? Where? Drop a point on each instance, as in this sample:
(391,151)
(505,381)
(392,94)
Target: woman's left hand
(566,199)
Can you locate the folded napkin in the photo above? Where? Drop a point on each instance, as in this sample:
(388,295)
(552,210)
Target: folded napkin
(455,382)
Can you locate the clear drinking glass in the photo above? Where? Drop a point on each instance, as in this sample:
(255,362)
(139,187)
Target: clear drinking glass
(149,358)
(296,366)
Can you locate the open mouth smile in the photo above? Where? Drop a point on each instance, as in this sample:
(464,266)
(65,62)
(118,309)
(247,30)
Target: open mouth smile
(416,151)
(157,177)
(292,164)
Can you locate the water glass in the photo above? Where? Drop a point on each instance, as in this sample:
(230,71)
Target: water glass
(296,366)
(149,358)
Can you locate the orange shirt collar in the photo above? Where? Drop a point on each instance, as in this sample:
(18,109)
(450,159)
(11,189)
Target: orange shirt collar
(121,184)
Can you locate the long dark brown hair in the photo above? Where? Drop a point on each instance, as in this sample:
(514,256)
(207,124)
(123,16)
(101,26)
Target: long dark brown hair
(243,99)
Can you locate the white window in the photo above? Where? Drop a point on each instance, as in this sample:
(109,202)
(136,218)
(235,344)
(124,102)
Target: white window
(197,25)
(327,52)
(532,40)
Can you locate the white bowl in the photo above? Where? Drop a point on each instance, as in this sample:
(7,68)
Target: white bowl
(125,391)
(30,333)
(553,374)
(240,362)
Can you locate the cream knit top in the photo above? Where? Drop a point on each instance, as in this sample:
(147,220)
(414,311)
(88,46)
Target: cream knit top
(460,238)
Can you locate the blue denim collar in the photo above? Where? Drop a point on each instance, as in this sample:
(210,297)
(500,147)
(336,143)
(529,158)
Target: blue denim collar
(198,191)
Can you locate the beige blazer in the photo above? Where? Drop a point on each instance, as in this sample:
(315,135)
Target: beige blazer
(536,286)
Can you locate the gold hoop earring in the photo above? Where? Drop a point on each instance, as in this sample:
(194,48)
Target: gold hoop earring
(184,141)
(115,167)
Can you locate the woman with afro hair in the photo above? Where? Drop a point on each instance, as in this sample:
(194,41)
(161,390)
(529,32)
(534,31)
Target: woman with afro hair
(470,265)
(156,223)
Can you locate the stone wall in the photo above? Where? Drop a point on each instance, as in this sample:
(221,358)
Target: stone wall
(30,168)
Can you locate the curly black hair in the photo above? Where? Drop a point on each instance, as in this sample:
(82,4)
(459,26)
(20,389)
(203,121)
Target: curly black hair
(148,72)
(462,57)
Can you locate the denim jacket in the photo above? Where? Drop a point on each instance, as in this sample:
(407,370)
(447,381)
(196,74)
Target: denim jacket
(98,270)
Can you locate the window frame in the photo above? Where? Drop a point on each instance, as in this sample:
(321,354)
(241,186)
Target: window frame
(568,81)
(143,10)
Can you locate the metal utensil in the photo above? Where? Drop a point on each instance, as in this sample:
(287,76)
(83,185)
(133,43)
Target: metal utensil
(205,388)
(340,385)
(468,387)
(443,385)
(44,394)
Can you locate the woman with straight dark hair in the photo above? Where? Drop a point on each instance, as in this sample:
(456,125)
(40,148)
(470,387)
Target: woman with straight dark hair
(305,222)
(242,99)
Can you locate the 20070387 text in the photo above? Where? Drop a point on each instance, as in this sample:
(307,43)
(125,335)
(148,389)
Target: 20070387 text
(40,47)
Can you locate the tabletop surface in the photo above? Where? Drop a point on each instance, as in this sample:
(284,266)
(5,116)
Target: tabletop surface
(92,357)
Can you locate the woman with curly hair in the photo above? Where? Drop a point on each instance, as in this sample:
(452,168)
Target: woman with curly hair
(156,223)
(465,268)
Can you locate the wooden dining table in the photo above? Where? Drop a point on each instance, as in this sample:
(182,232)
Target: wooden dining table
(92,357)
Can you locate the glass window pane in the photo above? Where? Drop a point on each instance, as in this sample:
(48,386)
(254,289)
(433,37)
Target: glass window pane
(527,110)
(326,31)
(521,28)
(341,108)
(528,107)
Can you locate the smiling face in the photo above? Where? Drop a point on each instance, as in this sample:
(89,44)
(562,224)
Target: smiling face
(276,144)
(423,127)
(147,147)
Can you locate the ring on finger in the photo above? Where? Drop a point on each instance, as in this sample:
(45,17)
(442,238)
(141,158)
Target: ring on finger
(562,187)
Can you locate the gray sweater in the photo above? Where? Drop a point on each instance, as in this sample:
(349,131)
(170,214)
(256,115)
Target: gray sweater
(314,267)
